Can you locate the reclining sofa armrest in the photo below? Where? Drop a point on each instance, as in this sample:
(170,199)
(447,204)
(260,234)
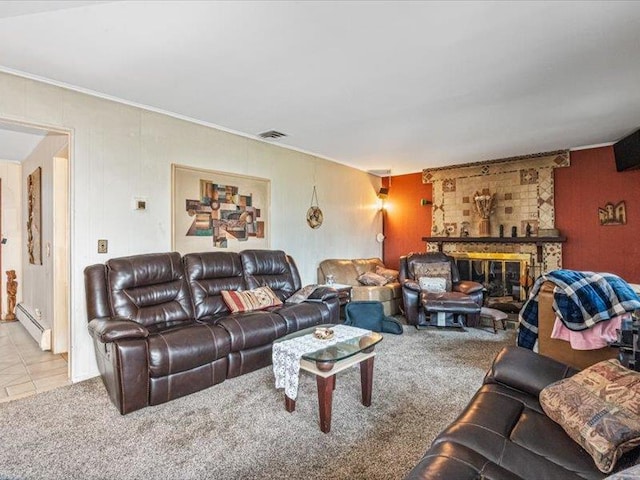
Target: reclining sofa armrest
(323,293)
(525,370)
(110,329)
(467,287)
(411,285)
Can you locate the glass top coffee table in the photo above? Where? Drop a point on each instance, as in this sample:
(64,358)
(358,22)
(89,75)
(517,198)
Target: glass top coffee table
(325,361)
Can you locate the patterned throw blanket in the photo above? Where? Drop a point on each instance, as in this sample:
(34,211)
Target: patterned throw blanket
(580,299)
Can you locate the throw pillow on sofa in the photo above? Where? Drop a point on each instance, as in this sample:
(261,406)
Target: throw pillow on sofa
(249,300)
(389,274)
(599,408)
(371,279)
(434,269)
(302,294)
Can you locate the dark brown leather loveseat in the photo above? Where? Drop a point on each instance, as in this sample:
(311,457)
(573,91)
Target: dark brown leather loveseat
(503,434)
(161,329)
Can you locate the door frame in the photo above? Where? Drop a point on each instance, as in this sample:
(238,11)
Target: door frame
(69,132)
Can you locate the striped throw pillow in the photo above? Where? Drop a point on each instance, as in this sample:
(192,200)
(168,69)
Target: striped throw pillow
(249,300)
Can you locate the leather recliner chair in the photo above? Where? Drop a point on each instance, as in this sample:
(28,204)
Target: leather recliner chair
(411,291)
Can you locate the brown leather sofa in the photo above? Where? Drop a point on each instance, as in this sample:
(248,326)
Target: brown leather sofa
(503,434)
(161,329)
(412,294)
(347,271)
(561,350)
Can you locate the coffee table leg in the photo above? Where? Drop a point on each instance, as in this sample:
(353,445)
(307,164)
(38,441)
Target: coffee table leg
(289,405)
(325,399)
(366,380)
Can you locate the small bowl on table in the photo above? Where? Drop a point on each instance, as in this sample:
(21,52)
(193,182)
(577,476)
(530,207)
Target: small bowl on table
(323,333)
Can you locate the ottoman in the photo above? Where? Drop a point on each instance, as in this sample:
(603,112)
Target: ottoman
(448,309)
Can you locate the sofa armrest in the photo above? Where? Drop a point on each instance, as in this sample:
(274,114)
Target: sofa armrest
(467,287)
(525,370)
(110,329)
(323,293)
(411,285)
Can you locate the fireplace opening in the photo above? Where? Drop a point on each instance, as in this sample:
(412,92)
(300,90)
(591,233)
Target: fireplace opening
(506,277)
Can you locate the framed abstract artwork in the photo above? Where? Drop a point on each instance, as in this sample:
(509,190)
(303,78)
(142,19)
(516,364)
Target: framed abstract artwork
(216,210)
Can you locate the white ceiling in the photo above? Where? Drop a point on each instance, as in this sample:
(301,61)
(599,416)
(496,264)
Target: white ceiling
(17,142)
(376,85)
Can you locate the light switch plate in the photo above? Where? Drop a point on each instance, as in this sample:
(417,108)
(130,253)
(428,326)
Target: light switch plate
(103,246)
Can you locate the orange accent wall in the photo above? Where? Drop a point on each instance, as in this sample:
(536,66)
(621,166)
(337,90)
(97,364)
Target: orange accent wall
(406,221)
(590,182)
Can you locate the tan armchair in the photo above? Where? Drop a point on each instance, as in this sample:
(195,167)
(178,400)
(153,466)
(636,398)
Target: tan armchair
(347,271)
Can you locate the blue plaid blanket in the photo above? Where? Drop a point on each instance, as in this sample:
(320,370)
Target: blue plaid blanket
(580,299)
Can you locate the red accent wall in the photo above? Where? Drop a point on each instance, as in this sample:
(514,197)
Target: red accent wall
(406,221)
(590,182)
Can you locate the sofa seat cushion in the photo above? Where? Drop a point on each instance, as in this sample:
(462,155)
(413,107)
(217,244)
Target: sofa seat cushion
(303,315)
(253,329)
(185,347)
(508,429)
(380,294)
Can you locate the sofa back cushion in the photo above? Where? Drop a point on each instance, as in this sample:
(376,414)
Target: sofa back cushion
(366,265)
(208,274)
(270,268)
(343,271)
(149,289)
(411,263)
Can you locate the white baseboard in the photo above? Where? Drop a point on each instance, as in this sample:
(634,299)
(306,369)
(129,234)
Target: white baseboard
(39,329)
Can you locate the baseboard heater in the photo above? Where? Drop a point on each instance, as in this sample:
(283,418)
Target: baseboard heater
(37,328)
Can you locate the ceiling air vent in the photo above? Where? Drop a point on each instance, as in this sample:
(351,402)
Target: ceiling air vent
(272,134)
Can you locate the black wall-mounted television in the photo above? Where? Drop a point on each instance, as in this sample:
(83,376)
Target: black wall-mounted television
(627,152)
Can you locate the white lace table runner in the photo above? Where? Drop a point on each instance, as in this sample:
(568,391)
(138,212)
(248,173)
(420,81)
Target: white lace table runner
(287,355)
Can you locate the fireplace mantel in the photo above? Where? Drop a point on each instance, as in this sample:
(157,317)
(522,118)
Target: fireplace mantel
(539,242)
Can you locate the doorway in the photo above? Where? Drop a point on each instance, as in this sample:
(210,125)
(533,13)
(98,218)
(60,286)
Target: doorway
(41,255)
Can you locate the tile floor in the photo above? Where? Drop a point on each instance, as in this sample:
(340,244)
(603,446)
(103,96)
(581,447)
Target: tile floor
(24,368)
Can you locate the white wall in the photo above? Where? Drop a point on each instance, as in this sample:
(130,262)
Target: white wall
(37,280)
(10,173)
(120,152)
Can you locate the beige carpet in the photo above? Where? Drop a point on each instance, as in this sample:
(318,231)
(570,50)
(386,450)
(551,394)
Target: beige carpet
(240,429)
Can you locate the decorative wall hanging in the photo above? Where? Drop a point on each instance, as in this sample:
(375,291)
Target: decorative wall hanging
(612,214)
(34,219)
(314,214)
(483,205)
(213,209)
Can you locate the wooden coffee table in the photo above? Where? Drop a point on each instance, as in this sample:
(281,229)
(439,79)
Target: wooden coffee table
(325,362)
